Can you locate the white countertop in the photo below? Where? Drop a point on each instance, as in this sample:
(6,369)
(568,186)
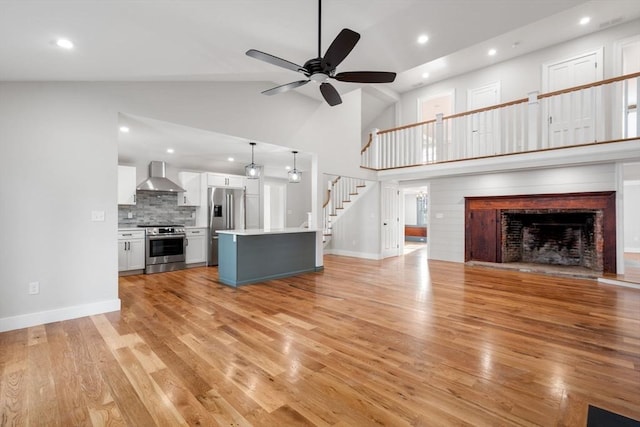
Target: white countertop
(260,231)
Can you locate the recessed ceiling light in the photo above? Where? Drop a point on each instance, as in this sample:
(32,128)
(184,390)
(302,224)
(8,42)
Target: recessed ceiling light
(585,20)
(170,150)
(425,75)
(422,39)
(492,52)
(64,43)
(124,129)
(231,159)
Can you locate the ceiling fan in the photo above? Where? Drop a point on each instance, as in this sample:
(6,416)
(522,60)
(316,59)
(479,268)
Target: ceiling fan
(323,68)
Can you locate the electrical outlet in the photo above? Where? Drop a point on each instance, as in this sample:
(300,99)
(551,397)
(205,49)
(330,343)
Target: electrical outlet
(34,288)
(130,215)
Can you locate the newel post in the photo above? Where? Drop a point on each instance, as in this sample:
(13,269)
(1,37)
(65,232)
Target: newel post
(533,115)
(374,149)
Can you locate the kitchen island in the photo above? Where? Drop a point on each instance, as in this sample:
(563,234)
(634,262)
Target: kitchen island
(257,255)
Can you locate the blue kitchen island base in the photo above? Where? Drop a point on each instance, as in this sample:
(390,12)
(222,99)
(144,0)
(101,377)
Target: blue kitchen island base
(251,256)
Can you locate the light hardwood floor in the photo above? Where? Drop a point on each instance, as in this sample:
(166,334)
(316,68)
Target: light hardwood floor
(403,341)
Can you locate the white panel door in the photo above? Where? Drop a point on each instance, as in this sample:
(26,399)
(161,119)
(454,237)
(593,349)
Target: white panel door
(390,220)
(485,141)
(570,117)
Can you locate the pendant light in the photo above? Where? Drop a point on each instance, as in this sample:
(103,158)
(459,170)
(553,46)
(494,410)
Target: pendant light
(252,171)
(294,174)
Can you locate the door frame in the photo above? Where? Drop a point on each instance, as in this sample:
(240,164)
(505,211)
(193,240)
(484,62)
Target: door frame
(394,225)
(546,127)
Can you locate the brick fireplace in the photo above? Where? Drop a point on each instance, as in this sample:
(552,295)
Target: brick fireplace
(570,230)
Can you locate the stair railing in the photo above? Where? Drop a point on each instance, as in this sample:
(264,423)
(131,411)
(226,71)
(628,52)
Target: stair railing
(539,122)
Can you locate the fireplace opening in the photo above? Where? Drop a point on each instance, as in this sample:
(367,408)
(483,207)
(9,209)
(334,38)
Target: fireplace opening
(552,237)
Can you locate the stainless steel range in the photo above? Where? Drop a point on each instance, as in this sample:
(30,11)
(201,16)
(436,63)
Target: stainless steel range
(165,248)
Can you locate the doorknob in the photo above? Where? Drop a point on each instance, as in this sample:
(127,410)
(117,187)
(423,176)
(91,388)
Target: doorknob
(384,223)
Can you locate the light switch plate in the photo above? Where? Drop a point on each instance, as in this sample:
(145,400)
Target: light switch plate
(97,215)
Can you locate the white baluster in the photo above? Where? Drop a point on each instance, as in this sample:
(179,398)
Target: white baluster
(533,115)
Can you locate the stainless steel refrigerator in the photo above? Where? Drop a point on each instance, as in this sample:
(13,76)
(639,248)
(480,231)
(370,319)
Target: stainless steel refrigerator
(226,212)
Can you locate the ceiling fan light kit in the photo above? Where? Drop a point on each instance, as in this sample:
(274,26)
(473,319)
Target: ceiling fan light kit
(323,68)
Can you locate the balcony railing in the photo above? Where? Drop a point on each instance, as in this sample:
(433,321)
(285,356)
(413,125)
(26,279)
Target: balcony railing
(595,113)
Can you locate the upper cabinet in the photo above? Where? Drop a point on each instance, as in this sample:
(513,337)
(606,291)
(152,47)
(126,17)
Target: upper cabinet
(221,180)
(190,181)
(126,185)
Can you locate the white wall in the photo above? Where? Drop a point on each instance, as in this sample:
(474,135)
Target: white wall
(298,201)
(357,231)
(517,76)
(410,210)
(59,163)
(631,215)
(446,195)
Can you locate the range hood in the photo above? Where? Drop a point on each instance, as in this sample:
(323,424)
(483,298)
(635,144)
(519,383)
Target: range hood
(158,181)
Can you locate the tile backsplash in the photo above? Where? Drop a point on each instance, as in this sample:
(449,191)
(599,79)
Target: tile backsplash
(156,208)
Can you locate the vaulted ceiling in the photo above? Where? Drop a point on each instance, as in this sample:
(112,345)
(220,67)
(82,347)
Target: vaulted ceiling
(206,40)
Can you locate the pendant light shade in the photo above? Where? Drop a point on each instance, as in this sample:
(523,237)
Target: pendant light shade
(294,174)
(252,171)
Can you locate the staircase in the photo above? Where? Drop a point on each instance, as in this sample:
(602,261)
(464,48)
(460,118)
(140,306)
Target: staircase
(341,195)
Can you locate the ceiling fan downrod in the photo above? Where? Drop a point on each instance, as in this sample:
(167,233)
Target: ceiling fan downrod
(319,27)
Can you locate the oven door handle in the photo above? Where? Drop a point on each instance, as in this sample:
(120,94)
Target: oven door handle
(164,237)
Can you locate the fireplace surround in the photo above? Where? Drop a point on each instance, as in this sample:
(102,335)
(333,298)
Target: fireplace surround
(569,229)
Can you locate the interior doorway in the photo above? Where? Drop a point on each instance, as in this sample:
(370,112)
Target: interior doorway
(415,218)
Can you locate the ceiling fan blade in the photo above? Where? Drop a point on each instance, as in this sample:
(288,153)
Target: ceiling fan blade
(274,60)
(340,48)
(330,94)
(366,77)
(283,88)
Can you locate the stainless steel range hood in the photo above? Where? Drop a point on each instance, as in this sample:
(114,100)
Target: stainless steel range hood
(158,181)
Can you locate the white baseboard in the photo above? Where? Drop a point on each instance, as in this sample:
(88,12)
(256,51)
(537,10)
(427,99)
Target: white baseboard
(632,250)
(618,283)
(57,315)
(341,252)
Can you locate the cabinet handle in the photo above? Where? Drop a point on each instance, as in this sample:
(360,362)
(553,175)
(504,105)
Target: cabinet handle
(134,198)
(185,199)
(186,242)
(127,234)
(195,232)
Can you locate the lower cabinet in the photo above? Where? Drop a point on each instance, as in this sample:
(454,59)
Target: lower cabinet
(131,250)
(196,252)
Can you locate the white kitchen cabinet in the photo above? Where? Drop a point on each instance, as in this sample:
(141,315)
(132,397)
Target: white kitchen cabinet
(196,251)
(221,180)
(190,181)
(126,185)
(131,250)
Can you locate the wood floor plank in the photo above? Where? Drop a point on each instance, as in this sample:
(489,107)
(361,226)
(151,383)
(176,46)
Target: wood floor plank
(41,386)
(399,341)
(97,396)
(14,406)
(156,401)
(72,406)
(124,395)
